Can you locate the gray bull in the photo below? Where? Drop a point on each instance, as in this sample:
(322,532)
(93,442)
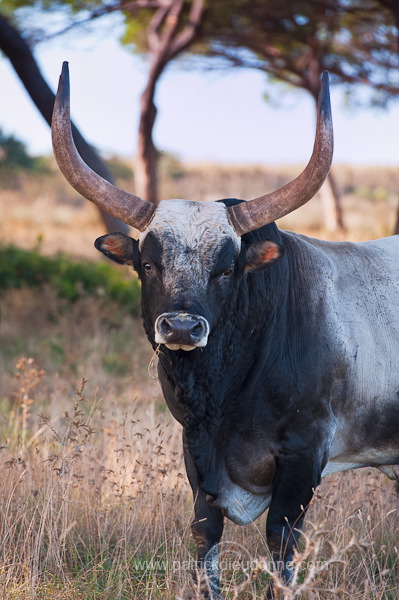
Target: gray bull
(278,354)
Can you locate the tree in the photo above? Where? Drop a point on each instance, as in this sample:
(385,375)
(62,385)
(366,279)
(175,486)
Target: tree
(22,59)
(393,7)
(355,40)
(168,34)
(167,28)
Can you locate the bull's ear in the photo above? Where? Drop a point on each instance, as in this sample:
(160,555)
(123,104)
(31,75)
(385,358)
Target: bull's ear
(118,247)
(260,255)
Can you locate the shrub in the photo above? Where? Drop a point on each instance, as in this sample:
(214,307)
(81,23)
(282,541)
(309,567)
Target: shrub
(70,278)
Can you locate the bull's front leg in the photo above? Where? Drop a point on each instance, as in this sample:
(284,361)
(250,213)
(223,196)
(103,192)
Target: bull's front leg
(297,476)
(207,529)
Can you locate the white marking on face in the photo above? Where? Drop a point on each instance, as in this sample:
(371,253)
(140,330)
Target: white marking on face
(198,342)
(191,220)
(191,233)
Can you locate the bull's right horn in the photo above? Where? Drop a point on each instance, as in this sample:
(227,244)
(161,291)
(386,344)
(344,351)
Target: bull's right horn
(251,215)
(128,208)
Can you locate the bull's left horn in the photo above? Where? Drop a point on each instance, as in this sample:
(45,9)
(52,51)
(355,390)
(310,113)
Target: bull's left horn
(251,215)
(128,208)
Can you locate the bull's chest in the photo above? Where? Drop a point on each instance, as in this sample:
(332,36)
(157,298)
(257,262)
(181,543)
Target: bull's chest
(249,462)
(237,455)
(245,479)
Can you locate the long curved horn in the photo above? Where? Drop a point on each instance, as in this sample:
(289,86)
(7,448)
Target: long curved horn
(128,208)
(251,215)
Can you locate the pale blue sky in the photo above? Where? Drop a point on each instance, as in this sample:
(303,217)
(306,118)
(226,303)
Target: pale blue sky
(202,116)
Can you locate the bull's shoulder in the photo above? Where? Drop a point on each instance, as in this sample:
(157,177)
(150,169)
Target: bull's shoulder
(316,247)
(341,258)
(351,288)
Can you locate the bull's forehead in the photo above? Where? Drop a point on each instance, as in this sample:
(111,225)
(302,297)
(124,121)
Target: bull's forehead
(192,225)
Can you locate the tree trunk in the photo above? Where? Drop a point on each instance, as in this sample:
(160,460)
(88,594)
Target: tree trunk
(165,42)
(396,230)
(331,203)
(21,58)
(146,166)
(329,194)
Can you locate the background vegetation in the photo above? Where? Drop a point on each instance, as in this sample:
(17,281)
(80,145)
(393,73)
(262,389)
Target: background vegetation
(94,500)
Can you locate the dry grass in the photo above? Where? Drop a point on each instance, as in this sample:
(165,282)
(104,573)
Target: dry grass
(94,502)
(47,209)
(80,489)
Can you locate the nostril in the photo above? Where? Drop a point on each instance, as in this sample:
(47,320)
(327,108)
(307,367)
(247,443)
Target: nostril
(198,330)
(165,327)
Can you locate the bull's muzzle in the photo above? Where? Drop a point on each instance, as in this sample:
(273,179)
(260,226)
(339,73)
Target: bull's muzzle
(181,331)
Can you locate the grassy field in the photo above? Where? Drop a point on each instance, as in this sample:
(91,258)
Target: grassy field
(94,500)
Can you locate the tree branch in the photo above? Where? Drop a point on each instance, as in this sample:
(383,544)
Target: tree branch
(185,37)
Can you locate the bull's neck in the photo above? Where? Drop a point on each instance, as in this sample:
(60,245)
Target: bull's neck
(243,348)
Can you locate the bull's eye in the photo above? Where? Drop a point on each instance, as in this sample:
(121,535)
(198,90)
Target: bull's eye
(146,267)
(223,272)
(225,275)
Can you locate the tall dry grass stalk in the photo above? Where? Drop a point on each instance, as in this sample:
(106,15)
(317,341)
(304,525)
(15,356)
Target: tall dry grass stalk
(95,504)
(84,493)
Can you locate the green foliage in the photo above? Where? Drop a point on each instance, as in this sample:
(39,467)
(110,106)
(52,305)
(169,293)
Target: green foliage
(119,168)
(70,278)
(355,40)
(14,156)
(135,34)
(9,6)
(170,166)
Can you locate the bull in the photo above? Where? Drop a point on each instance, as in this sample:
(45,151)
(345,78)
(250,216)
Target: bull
(278,353)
